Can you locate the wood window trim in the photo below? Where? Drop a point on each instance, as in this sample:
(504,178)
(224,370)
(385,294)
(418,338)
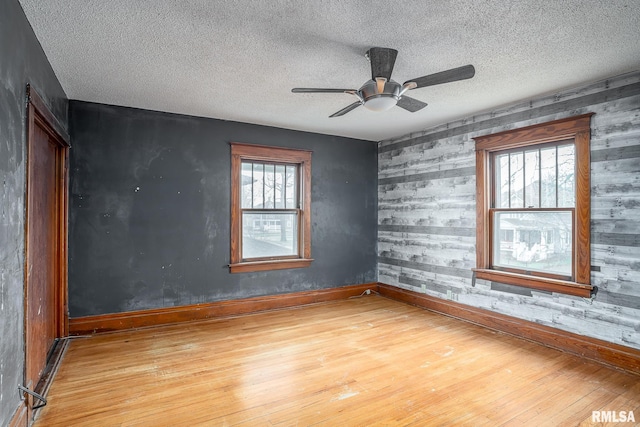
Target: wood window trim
(262,153)
(577,129)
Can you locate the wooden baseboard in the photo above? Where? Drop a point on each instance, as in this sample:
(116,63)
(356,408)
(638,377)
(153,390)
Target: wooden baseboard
(19,418)
(604,352)
(144,318)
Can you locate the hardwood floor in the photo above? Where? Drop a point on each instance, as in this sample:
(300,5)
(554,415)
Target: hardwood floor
(358,362)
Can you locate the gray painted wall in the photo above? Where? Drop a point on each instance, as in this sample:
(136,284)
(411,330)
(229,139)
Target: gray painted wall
(426,199)
(150,210)
(22,61)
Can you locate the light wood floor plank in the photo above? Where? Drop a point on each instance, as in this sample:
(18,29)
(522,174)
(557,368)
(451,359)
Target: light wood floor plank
(364,361)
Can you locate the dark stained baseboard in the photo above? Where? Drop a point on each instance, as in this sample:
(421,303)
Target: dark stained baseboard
(19,418)
(162,316)
(594,349)
(600,351)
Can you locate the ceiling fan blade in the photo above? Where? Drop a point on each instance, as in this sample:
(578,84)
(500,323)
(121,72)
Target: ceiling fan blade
(411,104)
(455,74)
(346,109)
(320,90)
(382,60)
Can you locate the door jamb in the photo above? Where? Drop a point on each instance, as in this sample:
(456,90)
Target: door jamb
(38,112)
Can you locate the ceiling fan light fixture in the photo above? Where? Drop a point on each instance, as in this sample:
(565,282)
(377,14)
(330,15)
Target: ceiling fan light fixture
(380,103)
(376,100)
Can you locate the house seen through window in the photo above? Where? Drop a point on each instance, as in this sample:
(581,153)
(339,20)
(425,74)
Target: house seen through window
(533,208)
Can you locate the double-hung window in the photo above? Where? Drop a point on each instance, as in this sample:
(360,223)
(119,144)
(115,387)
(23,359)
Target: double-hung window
(533,206)
(532,210)
(270,202)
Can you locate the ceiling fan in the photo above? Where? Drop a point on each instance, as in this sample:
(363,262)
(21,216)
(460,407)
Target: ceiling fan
(381,93)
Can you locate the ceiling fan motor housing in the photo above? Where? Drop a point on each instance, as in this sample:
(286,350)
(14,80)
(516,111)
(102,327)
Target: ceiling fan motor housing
(380,101)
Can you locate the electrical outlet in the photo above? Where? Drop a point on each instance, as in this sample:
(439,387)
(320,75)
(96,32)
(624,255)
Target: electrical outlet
(449,294)
(424,288)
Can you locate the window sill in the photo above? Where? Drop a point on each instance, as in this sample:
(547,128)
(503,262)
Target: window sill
(245,267)
(534,282)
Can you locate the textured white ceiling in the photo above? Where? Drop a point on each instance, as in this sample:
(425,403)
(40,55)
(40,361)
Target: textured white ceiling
(238,60)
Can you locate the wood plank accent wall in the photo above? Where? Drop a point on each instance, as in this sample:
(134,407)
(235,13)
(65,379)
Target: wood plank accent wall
(163,316)
(427,206)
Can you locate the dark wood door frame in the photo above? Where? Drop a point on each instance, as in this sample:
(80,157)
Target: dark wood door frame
(39,120)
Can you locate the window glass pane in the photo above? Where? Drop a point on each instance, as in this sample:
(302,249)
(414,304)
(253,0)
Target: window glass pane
(548,175)
(532,179)
(517,179)
(533,241)
(291,187)
(258,185)
(279,186)
(502,180)
(269,234)
(269,186)
(566,176)
(246,185)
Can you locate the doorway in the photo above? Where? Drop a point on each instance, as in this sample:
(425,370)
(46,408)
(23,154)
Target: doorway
(45,292)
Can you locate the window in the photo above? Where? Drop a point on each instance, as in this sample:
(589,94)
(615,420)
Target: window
(533,200)
(533,206)
(270,208)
